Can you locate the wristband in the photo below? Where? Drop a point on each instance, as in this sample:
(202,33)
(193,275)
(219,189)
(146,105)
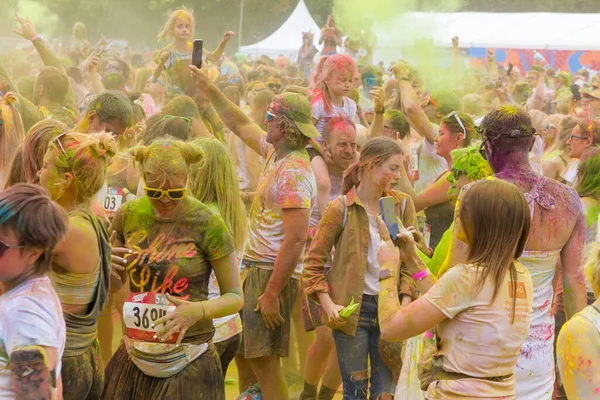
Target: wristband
(36,37)
(380,112)
(404,79)
(419,276)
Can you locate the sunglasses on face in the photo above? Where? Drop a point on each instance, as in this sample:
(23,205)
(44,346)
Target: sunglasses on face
(577,137)
(157,194)
(481,131)
(4,247)
(270,117)
(188,120)
(274,85)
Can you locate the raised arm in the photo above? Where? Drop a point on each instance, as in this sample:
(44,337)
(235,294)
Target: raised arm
(376,128)
(413,112)
(97,85)
(28,32)
(233,117)
(538,98)
(455,61)
(399,323)
(218,53)
(492,67)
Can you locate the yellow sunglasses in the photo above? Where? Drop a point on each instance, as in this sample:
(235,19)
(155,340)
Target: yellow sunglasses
(157,194)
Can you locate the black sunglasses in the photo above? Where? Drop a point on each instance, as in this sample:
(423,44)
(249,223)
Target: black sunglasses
(481,131)
(456,173)
(4,247)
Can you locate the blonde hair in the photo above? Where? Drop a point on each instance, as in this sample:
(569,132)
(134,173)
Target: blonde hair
(12,132)
(168,158)
(86,156)
(16,173)
(215,180)
(495,217)
(592,267)
(36,144)
(168,30)
(325,69)
(376,151)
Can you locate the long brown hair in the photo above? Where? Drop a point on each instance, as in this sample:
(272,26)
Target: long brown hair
(376,151)
(36,144)
(495,217)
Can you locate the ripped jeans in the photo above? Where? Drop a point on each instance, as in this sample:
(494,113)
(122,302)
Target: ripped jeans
(354,353)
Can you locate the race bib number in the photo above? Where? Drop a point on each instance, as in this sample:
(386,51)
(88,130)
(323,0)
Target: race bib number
(141,311)
(113,200)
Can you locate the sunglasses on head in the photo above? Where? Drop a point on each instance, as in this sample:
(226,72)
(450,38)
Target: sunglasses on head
(60,145)
(157,194)
(4,247)
(548,127)
(186,119)
(455,115)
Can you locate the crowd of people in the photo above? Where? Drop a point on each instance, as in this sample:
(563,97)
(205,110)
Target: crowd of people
(233,213)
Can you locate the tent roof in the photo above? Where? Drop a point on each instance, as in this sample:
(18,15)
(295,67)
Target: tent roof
(288,38)
(554,31)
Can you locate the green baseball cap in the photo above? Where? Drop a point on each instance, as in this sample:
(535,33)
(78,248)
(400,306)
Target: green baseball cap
(297,108)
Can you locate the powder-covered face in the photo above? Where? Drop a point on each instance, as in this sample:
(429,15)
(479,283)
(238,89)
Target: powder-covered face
(274,84)
(445,142)
(387,174)
(51,179)
(339,82)
(165,207)
(576,145)
(342,145)
(182,28)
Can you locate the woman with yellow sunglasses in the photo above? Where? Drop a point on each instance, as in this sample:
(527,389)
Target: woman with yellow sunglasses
(170,243)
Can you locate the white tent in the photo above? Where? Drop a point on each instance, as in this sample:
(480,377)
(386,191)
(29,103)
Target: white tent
(288,38)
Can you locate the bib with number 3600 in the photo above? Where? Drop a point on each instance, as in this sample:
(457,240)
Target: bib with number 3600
(113,200)
(140,312)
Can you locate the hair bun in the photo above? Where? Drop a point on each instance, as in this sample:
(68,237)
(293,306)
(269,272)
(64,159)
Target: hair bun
(140,153)
(104,145)
(191,153)
(10,98)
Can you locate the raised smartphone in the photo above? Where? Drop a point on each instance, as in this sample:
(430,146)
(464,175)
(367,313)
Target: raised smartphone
(197,53)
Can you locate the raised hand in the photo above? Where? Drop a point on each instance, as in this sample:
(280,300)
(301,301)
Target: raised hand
(27,30)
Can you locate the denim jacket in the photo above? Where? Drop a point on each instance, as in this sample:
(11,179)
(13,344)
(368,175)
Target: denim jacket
(346,278)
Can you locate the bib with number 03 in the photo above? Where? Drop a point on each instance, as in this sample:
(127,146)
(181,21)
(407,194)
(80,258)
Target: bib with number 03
(113,200)
(140,312)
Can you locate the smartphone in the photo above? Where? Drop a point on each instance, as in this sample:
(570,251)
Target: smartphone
(197,53)
(510,69)
(388,213)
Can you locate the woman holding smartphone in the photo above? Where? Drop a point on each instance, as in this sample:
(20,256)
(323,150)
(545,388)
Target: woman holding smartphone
(350,223)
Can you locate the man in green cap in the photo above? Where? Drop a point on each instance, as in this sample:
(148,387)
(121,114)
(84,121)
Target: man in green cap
(279,220)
